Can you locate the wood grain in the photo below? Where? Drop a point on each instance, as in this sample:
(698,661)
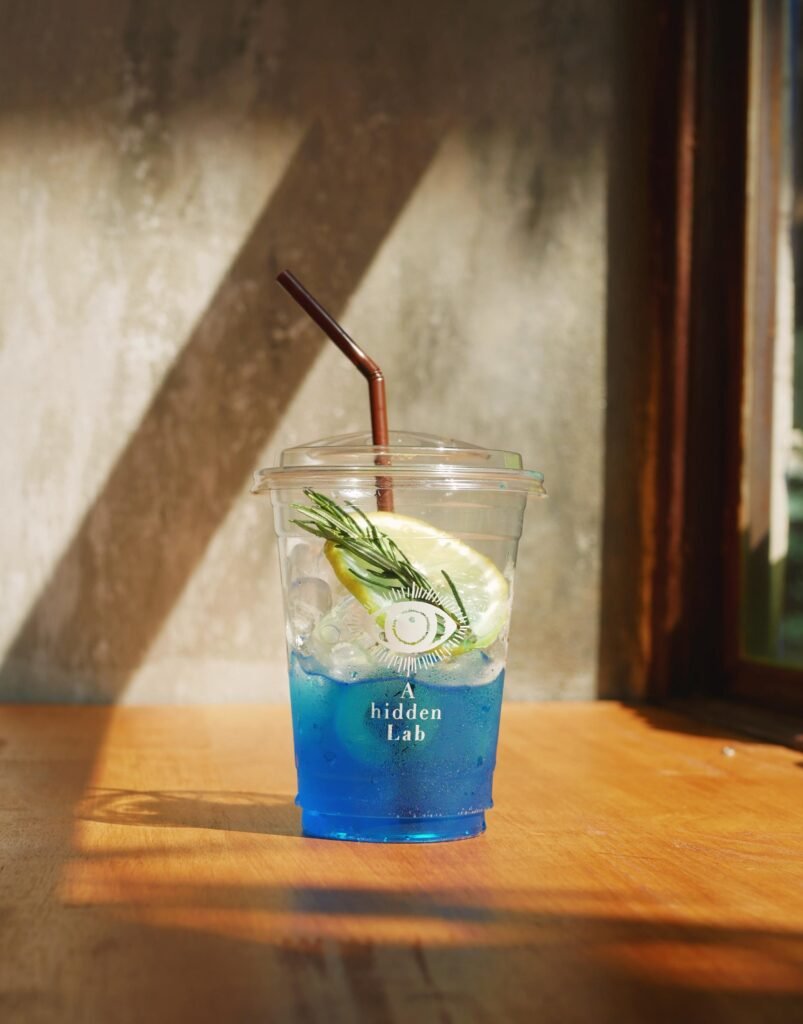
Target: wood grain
(636,868)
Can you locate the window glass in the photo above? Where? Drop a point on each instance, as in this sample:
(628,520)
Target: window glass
(772,505)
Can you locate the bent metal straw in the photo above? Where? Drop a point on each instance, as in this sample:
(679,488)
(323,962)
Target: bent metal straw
(367,367)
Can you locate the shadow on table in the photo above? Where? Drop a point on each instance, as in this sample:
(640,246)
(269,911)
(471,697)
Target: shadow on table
(702,718)
(337,953)
(228,810)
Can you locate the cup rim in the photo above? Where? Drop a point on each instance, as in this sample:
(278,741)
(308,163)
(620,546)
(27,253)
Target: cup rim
(439,476)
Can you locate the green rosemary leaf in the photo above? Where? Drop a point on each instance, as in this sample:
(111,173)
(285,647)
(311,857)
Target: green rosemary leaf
(456,596)
(384,565)
(375,581)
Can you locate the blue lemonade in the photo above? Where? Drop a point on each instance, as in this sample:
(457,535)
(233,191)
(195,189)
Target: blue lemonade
(394,758)
(397,564)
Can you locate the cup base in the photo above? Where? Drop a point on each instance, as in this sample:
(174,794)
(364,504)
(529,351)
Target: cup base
(391,830)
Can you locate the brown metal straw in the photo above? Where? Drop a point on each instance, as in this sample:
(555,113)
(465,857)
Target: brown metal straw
(367,367)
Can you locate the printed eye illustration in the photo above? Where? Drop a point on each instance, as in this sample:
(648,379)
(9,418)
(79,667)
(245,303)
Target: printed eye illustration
(414,627)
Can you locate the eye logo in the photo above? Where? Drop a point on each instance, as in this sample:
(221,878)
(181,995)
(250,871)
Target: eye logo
(416,627)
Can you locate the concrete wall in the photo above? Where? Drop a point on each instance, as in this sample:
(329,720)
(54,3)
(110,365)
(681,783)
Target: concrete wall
(435,171)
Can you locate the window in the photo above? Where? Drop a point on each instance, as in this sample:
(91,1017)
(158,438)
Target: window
(721,487)
(772,505)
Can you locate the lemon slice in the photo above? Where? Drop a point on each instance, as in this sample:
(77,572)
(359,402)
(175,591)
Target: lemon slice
(482,588)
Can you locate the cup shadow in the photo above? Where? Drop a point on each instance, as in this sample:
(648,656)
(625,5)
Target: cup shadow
(228,810)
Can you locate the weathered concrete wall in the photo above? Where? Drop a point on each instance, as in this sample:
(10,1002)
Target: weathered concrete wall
(436,172)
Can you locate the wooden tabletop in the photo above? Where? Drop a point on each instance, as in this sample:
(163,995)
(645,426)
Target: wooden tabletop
(636,868)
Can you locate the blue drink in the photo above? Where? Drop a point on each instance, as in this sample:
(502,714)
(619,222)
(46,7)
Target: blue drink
(392,758)
(397,569)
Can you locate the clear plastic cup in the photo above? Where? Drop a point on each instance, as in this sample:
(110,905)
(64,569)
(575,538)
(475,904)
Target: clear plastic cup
(397,628)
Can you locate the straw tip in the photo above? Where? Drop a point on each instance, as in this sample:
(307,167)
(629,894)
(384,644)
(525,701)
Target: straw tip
(283,276)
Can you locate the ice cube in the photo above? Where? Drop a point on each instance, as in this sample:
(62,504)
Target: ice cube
(302,560)
(308,600)
(324,571)
(348,662)
(339,644)
(472,668)
(329,633)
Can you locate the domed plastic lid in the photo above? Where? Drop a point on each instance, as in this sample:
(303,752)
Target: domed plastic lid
(417,460)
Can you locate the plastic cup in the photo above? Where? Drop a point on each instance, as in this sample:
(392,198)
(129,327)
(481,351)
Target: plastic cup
(396,692)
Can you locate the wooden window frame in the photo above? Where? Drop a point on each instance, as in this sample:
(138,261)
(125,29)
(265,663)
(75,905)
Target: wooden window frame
(679,631)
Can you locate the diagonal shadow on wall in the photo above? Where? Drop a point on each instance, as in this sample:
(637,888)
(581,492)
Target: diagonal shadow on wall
(193,452)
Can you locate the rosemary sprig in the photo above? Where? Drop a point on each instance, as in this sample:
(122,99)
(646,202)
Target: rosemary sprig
(386,567)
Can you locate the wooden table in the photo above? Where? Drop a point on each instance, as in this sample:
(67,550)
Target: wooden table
(637,868)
